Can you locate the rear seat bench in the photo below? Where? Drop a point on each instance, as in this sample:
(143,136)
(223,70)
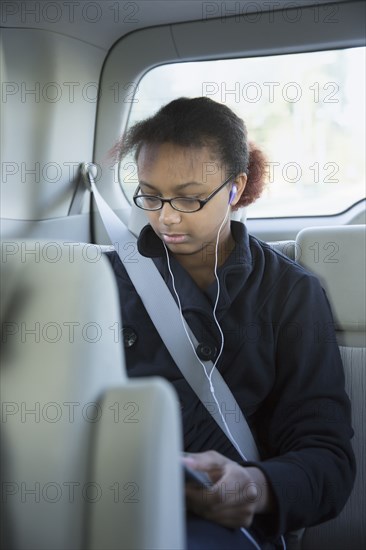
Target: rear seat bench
(337,256)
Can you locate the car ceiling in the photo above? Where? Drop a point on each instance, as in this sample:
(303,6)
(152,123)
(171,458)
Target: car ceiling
(103,23)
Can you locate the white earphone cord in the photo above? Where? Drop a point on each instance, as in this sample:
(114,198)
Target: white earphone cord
(209,376)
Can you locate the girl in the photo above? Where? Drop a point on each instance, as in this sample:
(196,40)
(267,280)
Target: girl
(253,313)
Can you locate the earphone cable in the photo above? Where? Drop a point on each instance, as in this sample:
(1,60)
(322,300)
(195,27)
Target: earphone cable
(208,375)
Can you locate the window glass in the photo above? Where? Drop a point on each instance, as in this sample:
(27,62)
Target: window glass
(306,111)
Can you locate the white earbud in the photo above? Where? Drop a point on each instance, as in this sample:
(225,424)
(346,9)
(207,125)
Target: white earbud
(233,193)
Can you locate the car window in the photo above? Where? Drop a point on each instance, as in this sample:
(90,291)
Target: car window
(307,111)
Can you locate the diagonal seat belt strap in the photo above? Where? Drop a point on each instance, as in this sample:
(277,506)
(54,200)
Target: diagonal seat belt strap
(165,315)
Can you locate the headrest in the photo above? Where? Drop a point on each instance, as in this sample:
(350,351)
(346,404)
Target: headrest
(49,284)
(287,248)
(137,220)
(240,215)
(336,254)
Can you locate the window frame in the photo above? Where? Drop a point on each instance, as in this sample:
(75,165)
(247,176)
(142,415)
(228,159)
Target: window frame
(206,40)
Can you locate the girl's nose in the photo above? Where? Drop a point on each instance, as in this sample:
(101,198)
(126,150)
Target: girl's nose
(168,215)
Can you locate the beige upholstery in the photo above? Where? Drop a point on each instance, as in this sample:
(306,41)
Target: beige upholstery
(337,256)
(89,458)
(137,219)
(287,248)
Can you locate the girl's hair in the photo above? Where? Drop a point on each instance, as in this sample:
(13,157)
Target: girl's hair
(200,122)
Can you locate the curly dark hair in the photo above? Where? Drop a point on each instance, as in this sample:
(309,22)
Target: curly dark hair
(202,122)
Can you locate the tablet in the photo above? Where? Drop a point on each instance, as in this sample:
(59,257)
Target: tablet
(196,477)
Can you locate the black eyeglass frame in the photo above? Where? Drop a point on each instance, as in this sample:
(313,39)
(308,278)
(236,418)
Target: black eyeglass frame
(202,202)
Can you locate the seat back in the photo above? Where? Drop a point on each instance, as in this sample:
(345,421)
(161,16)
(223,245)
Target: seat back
(137,220)
(89,458)
(287,248)
(337,256)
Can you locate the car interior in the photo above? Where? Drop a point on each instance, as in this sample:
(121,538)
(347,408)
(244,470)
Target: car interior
(90,459)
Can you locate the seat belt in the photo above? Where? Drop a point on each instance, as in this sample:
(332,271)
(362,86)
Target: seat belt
(166,317)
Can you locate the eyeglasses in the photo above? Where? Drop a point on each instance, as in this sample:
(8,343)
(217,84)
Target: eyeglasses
(182,204)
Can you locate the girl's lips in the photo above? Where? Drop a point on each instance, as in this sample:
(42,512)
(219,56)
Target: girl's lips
(174,239)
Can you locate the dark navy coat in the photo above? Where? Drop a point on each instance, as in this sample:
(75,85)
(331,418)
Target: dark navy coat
(280,360)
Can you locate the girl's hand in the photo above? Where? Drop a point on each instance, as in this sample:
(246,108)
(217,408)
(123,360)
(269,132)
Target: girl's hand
(237,492)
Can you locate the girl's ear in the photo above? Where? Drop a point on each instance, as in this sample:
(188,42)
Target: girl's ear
(240,183)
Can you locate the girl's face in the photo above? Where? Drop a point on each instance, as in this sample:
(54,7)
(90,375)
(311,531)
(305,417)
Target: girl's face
(168,171)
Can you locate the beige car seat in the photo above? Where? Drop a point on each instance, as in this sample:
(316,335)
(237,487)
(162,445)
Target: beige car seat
(337,256)
(90,459)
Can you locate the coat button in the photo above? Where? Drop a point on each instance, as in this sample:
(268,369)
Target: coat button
(206,352)
(129,337)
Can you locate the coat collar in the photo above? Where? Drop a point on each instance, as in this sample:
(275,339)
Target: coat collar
(232,274)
